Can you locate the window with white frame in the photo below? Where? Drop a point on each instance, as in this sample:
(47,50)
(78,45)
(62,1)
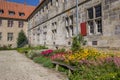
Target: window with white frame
(20,24)
(9,36)
(91,27)
(69,26)
(95,19)
(11,13)
(45,32)
(57,3)
(54,30)
(10,23)
(99,25)
(21,14)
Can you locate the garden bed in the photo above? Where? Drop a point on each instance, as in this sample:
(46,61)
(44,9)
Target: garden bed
(86,63)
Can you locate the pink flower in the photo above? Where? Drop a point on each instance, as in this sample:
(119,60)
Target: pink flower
(58,56)
(47,52)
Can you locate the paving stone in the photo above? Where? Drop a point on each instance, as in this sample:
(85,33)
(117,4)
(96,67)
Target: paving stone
(15,66)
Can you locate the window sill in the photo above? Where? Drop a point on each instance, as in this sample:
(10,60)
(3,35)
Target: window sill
(97,34)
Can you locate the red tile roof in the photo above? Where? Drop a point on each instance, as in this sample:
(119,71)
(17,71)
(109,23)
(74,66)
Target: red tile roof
(17,8)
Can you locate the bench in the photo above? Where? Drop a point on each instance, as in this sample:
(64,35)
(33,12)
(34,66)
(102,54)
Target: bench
(70,68)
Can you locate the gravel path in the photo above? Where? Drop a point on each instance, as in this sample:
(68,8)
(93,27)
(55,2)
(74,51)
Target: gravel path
(15,66)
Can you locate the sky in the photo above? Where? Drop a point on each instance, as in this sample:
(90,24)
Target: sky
(28,2)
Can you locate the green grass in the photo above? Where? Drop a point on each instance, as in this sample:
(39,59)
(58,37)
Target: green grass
(27,49)
(23,49)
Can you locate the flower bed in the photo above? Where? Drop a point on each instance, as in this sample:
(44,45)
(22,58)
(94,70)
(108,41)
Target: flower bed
(92,64)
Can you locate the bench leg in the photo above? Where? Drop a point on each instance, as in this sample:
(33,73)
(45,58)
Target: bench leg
(57,66)
(69,72)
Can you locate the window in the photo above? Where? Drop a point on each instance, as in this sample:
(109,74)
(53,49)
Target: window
(0,22)
(94,43)
(10,23)
(98,11)
(90,13)
(67,21)
(69,43)
(68,32)
(20,24)
(54,30)
(0,35)
(91,25)
(46,6)
(38,37)
(57,3)
(51,2)
(71,20)
(21,14)
(99,24)
(95,20)
(69,26)
(11,13)
(45,32)
(10,37)
(1,11)
(43,9)
(71,29)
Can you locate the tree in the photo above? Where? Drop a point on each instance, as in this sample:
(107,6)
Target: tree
(22,39)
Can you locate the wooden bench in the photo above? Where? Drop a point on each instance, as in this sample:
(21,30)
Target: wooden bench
(70,68)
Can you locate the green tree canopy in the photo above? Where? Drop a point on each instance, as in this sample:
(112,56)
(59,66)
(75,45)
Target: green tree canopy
(22,39)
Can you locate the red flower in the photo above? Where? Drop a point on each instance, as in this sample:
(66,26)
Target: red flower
(47,52)
(58,56)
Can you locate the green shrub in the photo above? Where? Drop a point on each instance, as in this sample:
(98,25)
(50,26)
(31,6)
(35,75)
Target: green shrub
(48,63)
(23,49)
(30,54)
(63,69)
(43,60)
(27,49)
(39,47)
(77,42)
(8,47)
(102,72)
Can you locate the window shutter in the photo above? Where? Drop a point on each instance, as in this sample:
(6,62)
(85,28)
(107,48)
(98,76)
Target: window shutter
(83,29)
